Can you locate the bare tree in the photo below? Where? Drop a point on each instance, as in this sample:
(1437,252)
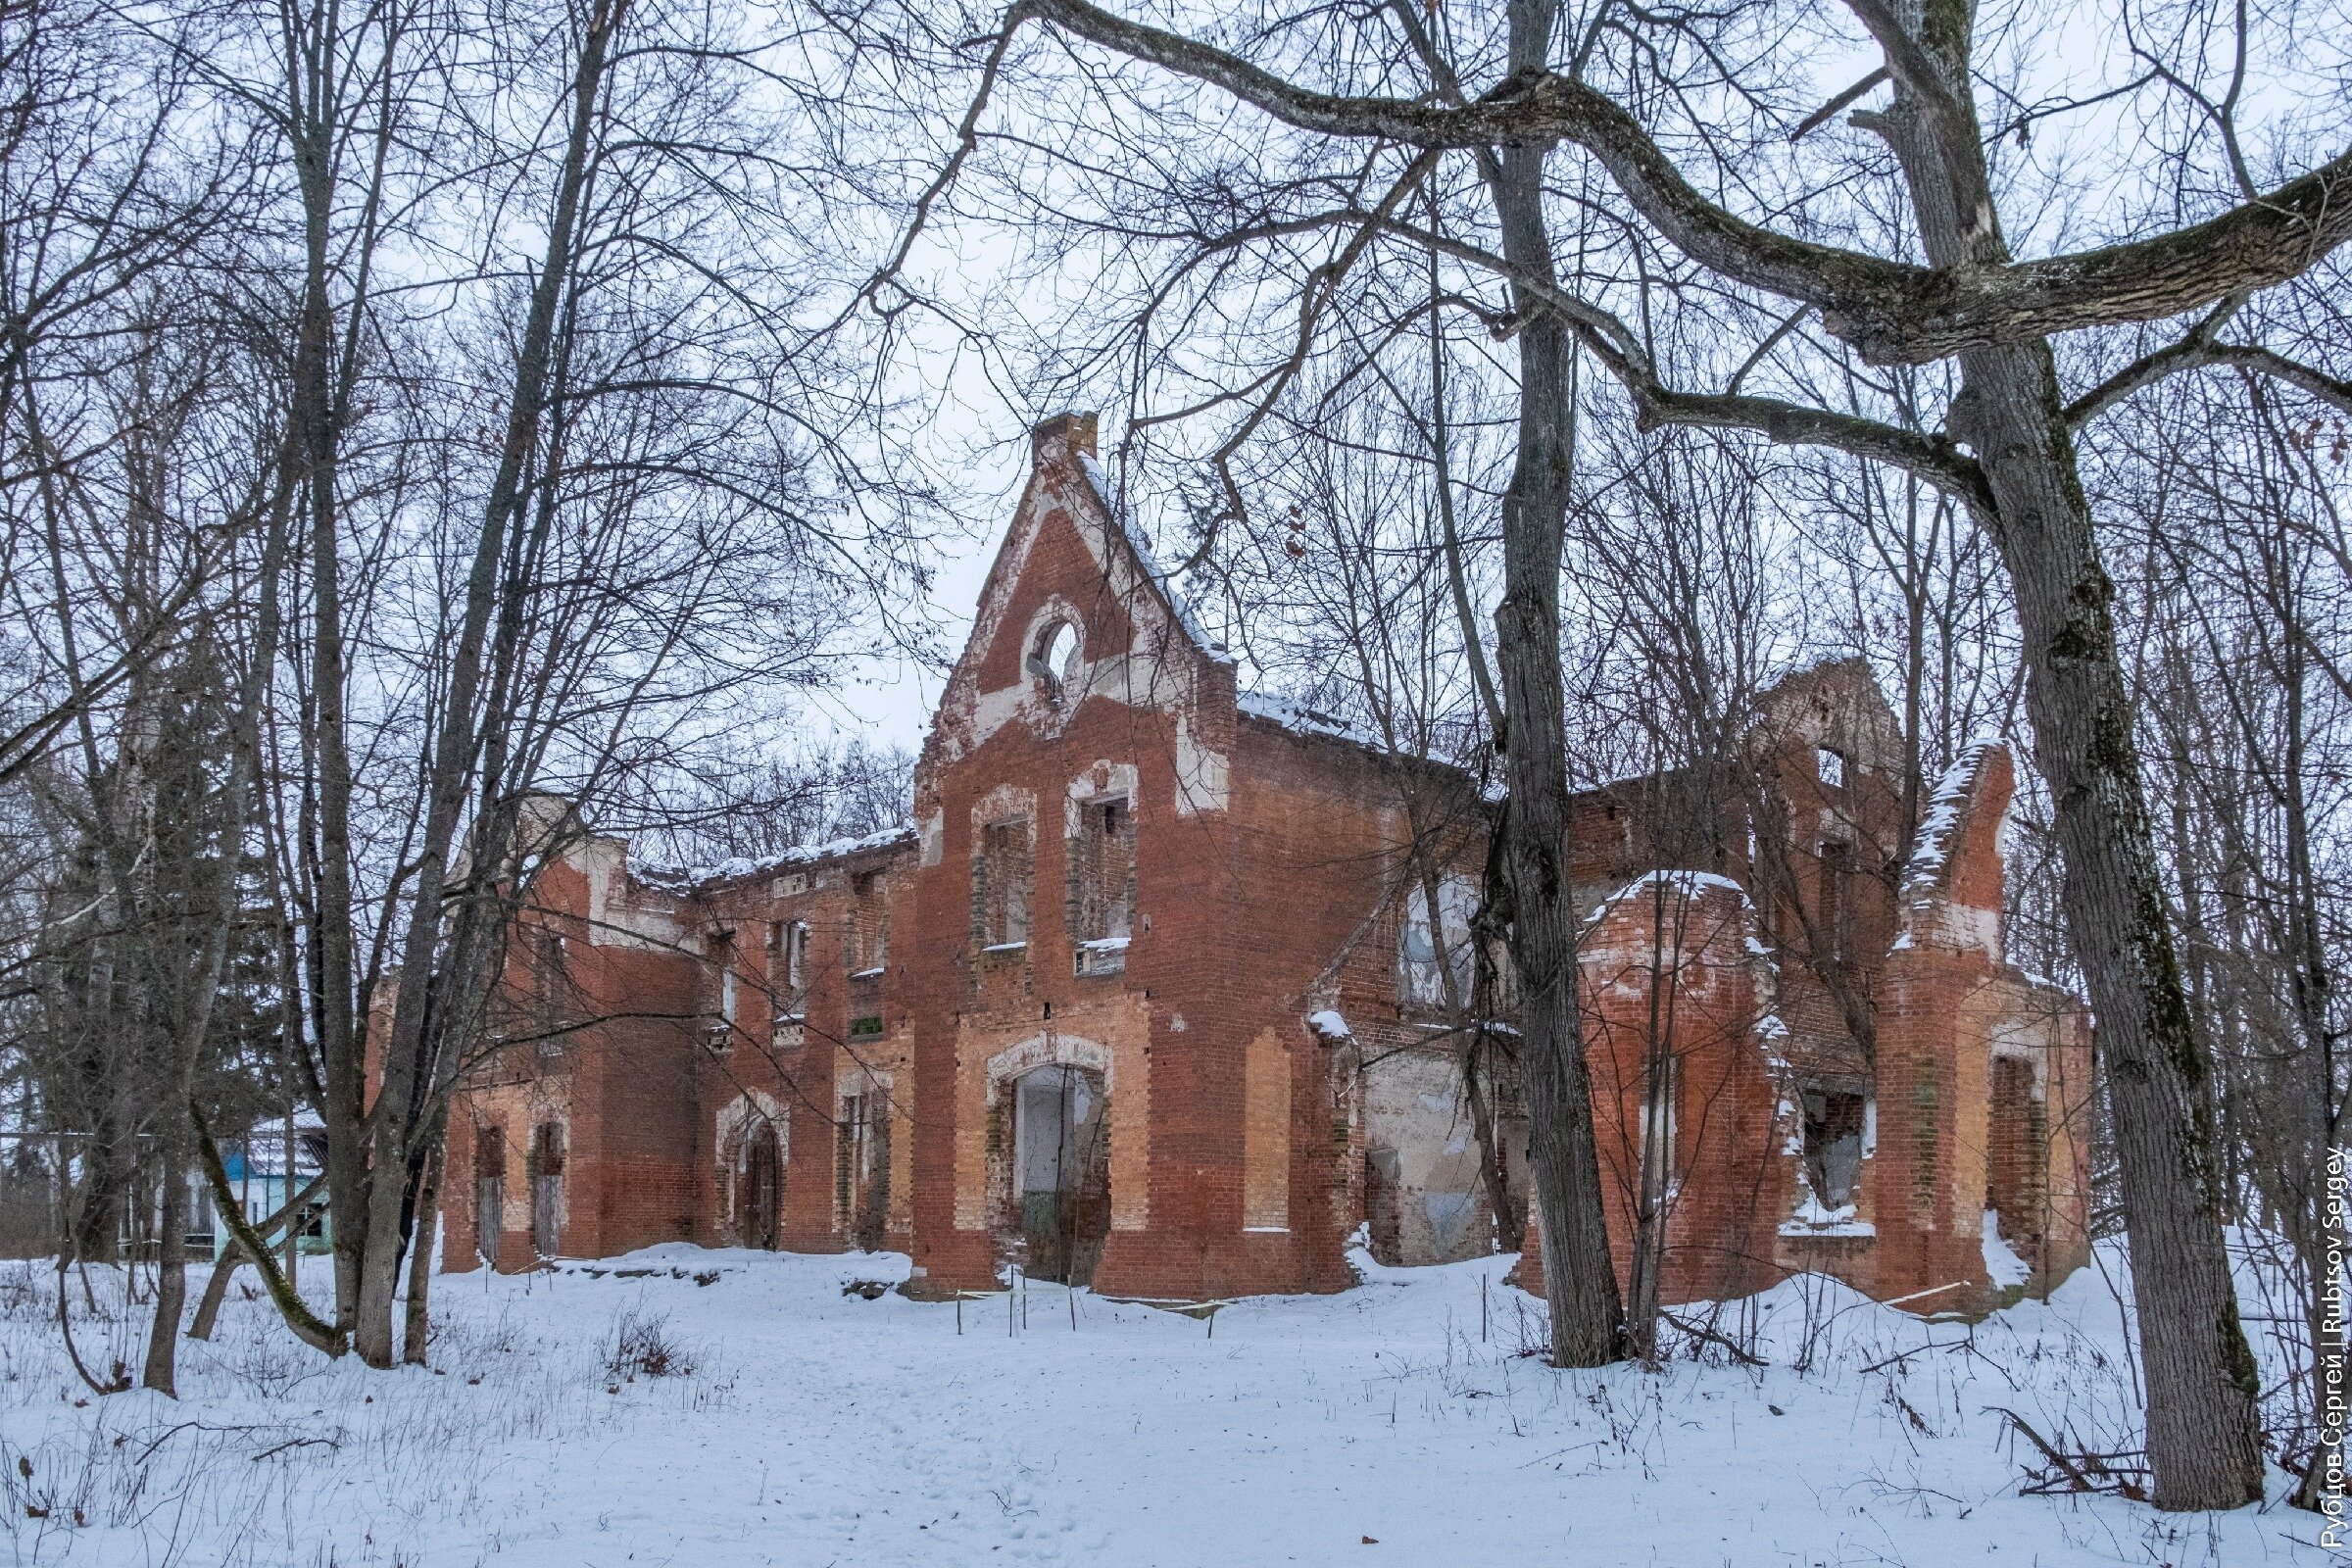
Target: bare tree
(2240,589)
(1660,118)
(490,431)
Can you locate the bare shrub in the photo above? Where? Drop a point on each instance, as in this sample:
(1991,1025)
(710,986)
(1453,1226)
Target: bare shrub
(641,1346)
(23,1293)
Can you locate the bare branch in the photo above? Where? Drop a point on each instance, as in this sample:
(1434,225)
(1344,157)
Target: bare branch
(2198,349)
(1893,312)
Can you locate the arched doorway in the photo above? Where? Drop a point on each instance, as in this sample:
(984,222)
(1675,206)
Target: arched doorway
(760,1189)
(547,1188)
(1061,1171)
(861,1159)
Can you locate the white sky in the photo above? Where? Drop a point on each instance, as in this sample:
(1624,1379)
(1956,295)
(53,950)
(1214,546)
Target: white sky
(980,441)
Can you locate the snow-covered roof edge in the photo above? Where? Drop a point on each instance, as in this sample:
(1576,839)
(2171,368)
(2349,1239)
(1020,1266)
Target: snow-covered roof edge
(1147,561)
(1300,719)
(734,870)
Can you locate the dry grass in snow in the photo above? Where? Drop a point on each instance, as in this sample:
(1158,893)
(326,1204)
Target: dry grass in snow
(768,1417)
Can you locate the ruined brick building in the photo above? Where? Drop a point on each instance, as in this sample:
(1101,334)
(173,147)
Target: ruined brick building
(1155,993)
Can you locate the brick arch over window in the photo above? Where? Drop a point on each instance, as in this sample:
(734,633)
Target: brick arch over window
(737,1120)
(1052,1049)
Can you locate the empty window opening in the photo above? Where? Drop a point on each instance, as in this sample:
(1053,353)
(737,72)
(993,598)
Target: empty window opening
(1054,661)
(1834,1126)
(550,991)
(2016,1184)
(789,979)
(868,946)
(1427,971)
(794,943)
(1835,940)
(1001,884)
(1061,1173)
(861,1168)
(1103,885)
(719,996)
(1383,1219)
(1660,1161)
(1831,763)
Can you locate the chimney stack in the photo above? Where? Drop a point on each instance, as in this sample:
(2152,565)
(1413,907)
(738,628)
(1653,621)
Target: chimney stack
(1063,436)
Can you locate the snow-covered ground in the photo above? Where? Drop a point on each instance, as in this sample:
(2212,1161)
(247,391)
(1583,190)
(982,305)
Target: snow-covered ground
(816,1427)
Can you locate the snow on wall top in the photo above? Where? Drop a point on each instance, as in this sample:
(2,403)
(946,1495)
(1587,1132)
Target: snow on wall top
(737,867)
(1149,562)
(1328,1024)
(1939,819)
(1300,719)
(1931,910)
(1689,884)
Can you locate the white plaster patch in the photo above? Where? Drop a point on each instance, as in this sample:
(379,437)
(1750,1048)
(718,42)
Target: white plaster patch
(622,915)
(1103,780)
(1200,771)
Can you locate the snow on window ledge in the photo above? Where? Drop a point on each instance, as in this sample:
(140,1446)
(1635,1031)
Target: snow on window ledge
(1812,1219)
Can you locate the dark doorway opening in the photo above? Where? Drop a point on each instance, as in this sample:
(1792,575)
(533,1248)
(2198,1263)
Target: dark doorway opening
(760,1189)
(862,1176)
(1061,1171)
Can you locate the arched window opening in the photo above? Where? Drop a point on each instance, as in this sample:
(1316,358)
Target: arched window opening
(1054,660)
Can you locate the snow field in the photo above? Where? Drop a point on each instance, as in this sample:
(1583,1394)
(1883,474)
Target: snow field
(810,1426)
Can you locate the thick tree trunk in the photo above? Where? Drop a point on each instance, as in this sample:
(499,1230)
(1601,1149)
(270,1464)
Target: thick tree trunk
(170,1270)
(215,1288)
(2204,1439)
(97,1220)
(406,1085)
(215,1292)
(1580,1281)
(2204,1433)
(317,435)
(418,1326)
(1656,1153)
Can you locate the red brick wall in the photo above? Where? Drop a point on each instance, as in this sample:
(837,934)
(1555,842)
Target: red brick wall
(1267,864)
(1980,1087)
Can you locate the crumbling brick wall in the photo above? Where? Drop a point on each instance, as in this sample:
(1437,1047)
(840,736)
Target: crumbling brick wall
(1120,869)
(1974,1097)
